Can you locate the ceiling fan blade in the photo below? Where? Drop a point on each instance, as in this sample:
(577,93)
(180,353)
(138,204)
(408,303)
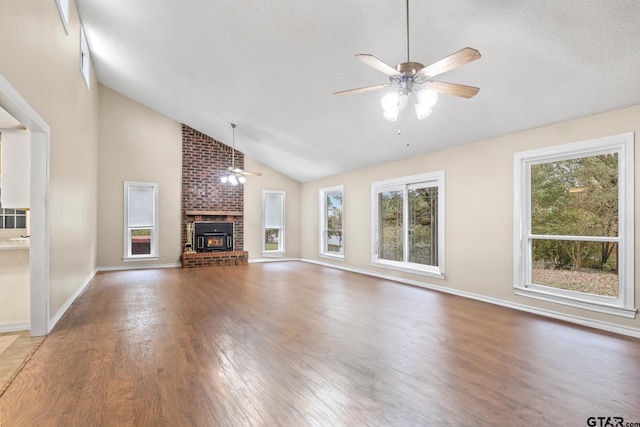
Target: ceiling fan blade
(361,89)
(379,65)
(455,60)
(453,89)
(251,173)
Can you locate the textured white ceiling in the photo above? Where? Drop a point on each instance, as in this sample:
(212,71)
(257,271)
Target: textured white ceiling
(272,67)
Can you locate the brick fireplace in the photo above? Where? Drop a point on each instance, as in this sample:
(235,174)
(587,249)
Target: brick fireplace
(206,199)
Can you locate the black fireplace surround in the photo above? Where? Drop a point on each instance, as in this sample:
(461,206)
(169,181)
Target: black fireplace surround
(213,236)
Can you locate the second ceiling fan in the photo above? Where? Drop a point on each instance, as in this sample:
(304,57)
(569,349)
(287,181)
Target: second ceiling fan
(414,78)
(235,175)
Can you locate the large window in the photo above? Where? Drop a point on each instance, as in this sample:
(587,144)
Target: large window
(574,224)
(140,221)
(273,222)
(408,224)
(331,214)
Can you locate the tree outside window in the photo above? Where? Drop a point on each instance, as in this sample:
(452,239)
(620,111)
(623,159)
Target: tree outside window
(408,221)
(576,197)
(574,224)
(331,222)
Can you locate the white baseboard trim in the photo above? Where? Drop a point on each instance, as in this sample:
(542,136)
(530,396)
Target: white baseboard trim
(14,327)
(260,260)
(597,324)
(70,301)
(138,267)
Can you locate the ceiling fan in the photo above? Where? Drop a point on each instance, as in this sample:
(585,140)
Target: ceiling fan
(235,175)
(414,78)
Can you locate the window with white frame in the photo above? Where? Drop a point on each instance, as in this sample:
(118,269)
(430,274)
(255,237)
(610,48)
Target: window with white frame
(573,224)
(85,58)
(273,222)
(331,214)
(408,224)
(13,219)
(140,221)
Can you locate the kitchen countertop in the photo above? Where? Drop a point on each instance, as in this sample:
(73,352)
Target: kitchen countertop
(14,243)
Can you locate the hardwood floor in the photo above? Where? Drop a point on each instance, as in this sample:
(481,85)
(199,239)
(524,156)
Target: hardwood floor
(296,344)
(15,349)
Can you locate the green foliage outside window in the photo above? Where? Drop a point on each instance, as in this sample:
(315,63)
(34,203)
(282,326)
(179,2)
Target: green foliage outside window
(576,197)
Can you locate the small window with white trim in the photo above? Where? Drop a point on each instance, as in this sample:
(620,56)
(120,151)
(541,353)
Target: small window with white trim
(273,205)
(141,221)
(408,224)
(573,224)
(331,214)
(85,58)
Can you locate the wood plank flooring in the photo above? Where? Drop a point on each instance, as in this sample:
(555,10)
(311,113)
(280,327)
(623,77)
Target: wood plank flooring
(296,344)
(15,350)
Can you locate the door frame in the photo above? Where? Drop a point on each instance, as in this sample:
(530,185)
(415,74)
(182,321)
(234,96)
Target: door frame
(39,289)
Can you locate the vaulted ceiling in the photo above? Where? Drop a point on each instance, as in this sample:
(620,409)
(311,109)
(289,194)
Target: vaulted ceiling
(272,67)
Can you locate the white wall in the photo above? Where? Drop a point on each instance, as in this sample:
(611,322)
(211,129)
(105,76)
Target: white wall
(137,144)
(479,210)
(14,288)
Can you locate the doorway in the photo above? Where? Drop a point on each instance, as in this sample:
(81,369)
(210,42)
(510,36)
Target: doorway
(19,108)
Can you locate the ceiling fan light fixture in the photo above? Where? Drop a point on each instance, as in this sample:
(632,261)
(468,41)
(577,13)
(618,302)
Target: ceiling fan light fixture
(426,97)
(242,179)
(422,111)
(391,104)
(233,180)
(224,179)
(390,101)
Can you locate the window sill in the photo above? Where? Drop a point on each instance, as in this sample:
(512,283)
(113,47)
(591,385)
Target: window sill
(273,254)
(577,303)
(332,256)
(425,272)
(140,258)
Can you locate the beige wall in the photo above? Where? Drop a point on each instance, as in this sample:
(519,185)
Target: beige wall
(42,63)
(479,209)
(270,180)
(137,144)
(14,287)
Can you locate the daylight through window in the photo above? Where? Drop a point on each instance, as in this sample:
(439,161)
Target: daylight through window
(273,222)
(331,217)
(408,218)
(574,210)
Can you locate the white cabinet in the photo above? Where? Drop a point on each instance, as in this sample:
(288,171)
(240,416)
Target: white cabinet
(15,169)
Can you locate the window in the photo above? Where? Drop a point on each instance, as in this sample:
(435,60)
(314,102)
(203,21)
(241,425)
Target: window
(85,58)
(573,235)
(63,9)
(141,221)
(12,219)
(273,222)
(408,224)
(331,237)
